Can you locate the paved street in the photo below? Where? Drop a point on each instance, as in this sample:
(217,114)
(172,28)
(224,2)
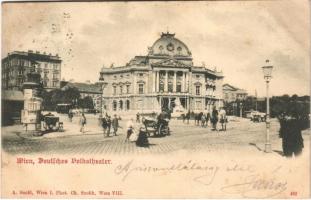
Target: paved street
(241,135)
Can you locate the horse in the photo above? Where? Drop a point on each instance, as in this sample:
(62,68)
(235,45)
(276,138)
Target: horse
(203,121)
(197,118)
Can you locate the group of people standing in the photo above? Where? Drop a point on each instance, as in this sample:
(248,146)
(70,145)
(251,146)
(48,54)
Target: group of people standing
(107,124)
(215,117)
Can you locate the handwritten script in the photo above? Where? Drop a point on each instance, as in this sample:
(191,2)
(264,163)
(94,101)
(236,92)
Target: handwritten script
(236,179)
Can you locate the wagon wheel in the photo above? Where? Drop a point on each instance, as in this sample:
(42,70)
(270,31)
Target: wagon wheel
(163,129)
(160,129)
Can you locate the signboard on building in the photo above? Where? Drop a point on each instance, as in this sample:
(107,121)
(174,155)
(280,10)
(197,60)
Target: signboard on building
(28,117)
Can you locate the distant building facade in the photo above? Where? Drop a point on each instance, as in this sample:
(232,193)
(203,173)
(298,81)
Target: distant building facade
(87,89)
(163,79)
(232,93)
(18,64)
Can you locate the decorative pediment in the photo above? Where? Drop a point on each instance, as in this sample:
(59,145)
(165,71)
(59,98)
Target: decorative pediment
(229,87)
(198,83)
(141,81)
(170,63)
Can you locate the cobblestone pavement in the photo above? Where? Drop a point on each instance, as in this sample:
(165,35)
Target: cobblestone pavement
(241,135)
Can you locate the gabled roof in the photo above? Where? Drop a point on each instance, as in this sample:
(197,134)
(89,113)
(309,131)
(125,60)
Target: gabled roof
(227,86)
(84,87)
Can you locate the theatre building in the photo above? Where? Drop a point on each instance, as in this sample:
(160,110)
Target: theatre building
(163,79)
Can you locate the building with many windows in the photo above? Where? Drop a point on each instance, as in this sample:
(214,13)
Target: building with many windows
(232,93)
(86,90)
(163,79)
(17,64)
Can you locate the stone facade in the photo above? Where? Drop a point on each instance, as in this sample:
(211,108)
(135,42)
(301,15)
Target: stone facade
(18,64)
(164,79)
(232,93)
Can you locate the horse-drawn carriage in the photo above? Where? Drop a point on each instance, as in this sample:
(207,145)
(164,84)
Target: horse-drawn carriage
(158,126)
(52,123)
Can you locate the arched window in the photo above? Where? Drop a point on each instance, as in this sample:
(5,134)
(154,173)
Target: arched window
(127,104)
(121,105)
(121,89)
(178,87)
(197,90)
(114,105)
(170,87)
(141,88)
(161,86)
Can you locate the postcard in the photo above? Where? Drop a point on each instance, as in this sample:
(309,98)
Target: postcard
(155,99)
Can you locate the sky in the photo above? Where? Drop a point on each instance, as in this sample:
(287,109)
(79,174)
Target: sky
(234,37)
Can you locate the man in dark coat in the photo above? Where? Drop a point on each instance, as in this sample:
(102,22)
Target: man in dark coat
(290,132)
(115,124)
(214,119)
(188,117)
(104,125)
(108,125)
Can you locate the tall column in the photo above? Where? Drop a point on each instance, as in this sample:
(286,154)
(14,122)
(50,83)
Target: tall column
(166,81)
(146,89)
(157,80)
(183,80)
(190,82)
(169,103)
(134,84)
(186,82)
(175,82)
(153,81)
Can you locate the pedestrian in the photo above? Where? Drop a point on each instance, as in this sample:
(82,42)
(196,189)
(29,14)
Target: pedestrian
(203,121)
(82,122)
(130,129)
(104,125)
(188,117)
(214,119)
(223,119)
(108,125)
(183,116)
(115,124)
(138,117)
(208,117)
(290,132)
(71,115)
(142,139)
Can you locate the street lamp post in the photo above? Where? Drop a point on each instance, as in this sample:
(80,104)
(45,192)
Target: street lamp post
(267,71)
(241,109)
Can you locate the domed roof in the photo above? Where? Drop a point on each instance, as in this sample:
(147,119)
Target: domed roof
(168,45)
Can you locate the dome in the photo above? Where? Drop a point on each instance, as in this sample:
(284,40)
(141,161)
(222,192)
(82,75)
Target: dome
(167,44)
